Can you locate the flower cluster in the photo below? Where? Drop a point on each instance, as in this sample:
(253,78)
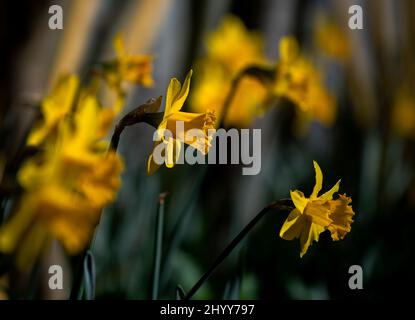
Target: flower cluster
(75,172)
(231,49)
(68,182)
(73,175)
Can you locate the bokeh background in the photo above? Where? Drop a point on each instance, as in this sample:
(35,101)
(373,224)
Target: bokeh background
(370,146)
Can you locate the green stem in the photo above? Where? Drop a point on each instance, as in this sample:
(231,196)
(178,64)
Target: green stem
(158,244)
(284,204)
(229,98)
(144,113)
(78,277)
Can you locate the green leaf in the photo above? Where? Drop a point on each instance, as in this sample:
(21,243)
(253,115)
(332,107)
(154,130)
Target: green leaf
(158,241)
(89,276)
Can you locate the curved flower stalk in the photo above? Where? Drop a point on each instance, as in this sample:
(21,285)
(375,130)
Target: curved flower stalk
(280,205)
(316,214)
(175,98)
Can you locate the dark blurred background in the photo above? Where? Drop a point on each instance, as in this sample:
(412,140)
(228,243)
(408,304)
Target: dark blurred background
(370,146)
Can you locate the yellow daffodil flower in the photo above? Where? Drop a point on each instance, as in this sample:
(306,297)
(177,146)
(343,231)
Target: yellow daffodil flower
(235,47)
(332,40)
(107,114)
(135,69)
(230,49)
(65,188)
(175,98)
(316,214)
(54,108)
(212,88)
(298,81)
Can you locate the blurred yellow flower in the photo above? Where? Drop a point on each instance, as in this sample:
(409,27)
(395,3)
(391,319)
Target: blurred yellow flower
(212,87)
(230,49)
(108,114)
(175,98)
(299,81)
(135,69)
(316,214)
(332,40)
(403,113)
(65,188)
(114,97)
(54,108)
(232,45)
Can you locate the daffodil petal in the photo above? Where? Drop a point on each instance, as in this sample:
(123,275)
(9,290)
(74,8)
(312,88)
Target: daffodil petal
(86,120)
(172,152)
(31,247)
(152,166)
(310,233)
(318,212)
(329,194)
(172,91)
(299,200)
(37,135)
(289,49)
(293,225)
(54,108)
(319,181)
(177,94)
(118,44)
